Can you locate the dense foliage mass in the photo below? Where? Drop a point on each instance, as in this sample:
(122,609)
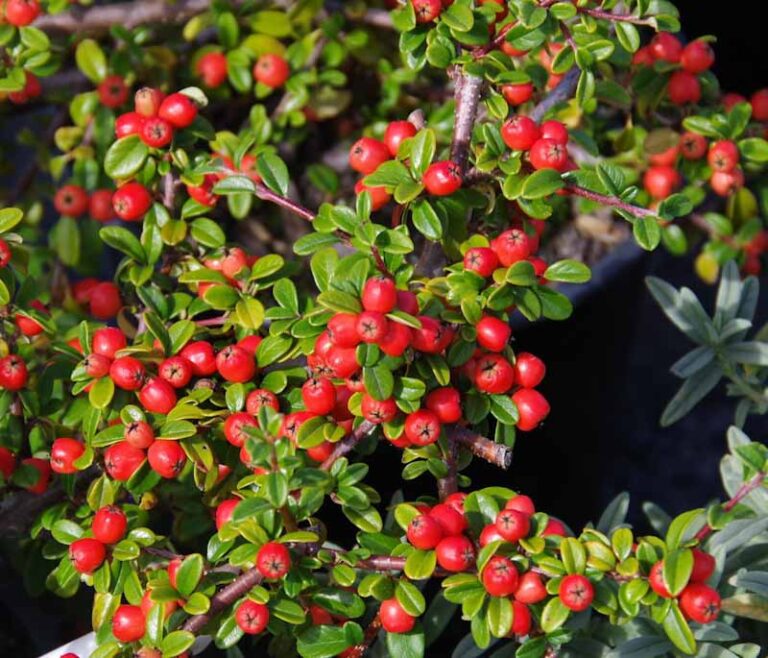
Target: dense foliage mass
(189,419)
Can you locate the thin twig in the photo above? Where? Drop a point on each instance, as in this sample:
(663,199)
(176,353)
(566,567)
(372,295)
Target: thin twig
(747,488)
(618,18)
(495,453)
(561,93)
(612,201)
(449,484)
(348,444)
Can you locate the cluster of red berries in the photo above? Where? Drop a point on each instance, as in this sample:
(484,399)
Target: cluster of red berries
(109,526)
(41,466)
(156,116)
(20,12)
(74,201)
(662,178)
(367,154)
(758,101)
(693,59)
(546,145)
(102,297)
(231,263)
(32,89)
(443,528)
(698,601)
(271,69)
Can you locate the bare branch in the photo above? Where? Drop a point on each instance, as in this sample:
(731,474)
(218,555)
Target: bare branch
(468,89)
(496,453)
(347,445)
(564,90)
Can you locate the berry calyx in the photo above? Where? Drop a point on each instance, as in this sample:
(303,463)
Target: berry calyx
(442,178)
(273,560)
(700,603)
(576,592)
(500,577)
(251,617)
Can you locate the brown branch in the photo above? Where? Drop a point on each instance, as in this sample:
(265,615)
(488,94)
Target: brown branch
(495,453)
(562,92)
(371,632)
(468,89)
(612,201)
(100,18)
(169,192)
(377,18)
(618,18)
(348,444)
(495,43)
(744,490)
(449,484)
(225,597)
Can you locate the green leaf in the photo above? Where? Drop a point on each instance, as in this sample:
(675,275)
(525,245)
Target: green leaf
(647,232)
(176,643)
(422,151)
(235,185)
(207,232)
(125,157)
(554,615)
(628,36)
(569,271)
(101,393)
(676,205)
(273,172)
(695,388)
(410,598)
(682,527)
(678,631)
(678,565)
(755,149)
(340,302)
(388,174)
(573,554)
(91,61)
(9,217)
(499,616)
(426,221)
(123,240)
(420,564)
(65,531)
(322,641)
(189,574)
(379,382)
(406,645)
(542,183)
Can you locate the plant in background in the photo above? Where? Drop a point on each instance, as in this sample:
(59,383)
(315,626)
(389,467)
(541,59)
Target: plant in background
(189,421)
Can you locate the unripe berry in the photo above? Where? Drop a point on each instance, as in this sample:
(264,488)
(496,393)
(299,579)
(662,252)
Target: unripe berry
(394,619)
(146,101)
(576,592)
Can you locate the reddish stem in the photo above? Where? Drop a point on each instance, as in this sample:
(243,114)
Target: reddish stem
(348,444)
(370,635)
(744,490)
(613,201)
(265,194)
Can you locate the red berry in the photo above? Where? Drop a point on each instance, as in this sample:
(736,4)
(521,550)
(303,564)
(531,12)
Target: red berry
(759,103)
(293,422)
(146,101)
(157,396)
(5,253)
(131,201)
(422,427)
(127,373)
(105,301)
(442,178)
(433,337)
(86,554)
(167,458)
(100,205)
(661,181)
(668,157)
(251,617)
(481,260)
(520,133)
(320,616)
(493,334)
(139,434)
(666,47)
(554,527)
(20,13)
(521,503)
(203,193)
(64,452)
(176,370)
(379,294)
(224,512)
(455,553)
(512,246)
(250,344)
(576,592)
(452,521)
(521,620)
(554,130)
(342,330)
(122,460)
(28,326)
(273,560)
(156,132)
(700,603)
(109,524)
(7,462)
(548,154)
(407,302)
(684,88)
(494,374)
(259,398)
(499,576)
(723,155)
(379,195)
(107,341)
(202,357)
(235,364)
(445,403)
(319,396)
(378,411)
(530,588)
(490,533)
(321,452)
(532,407)
(71,200)
(372,326)
(656,580)
(424,532)
(703,566)
(427,10)
(513,525)
(643,57)
(147,603)
(342,362)
(396,133)
(178,110)
(113,92)
(212,69)
(517,94)
(128,623)
(529,370)
(32,89)
(697,57)
(13,372)
(396,340)
(234,261)
(271,70)
(693,146)
(394,619)
(129,123)
(367,154)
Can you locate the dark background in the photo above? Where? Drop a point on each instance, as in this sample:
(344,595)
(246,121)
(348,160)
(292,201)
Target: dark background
(607,382)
